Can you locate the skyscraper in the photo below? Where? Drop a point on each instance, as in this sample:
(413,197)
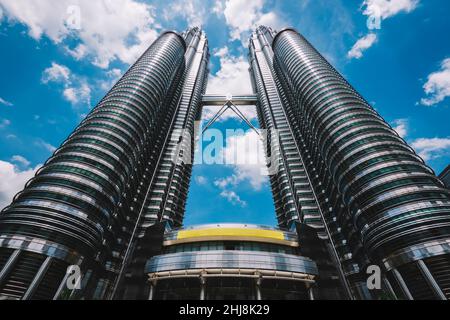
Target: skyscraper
(111,200)
(380,204)
(110,180)
(445,176)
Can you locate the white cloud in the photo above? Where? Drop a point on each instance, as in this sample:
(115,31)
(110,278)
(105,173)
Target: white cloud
(233,75)
(401,127)
(112,76)
(244,15)
(249,166)
(56,73)
(432,148)
(75,89)
(114,73)
(193,11)
(253,174)
(109,29)
(218,7)
(20,160)
(270,19)
(201,180)
(76,95)
(362,45)
(222,52)
(388,8)
(377,11)
(12,180)
(437,86)
(45,145)
(246,152)
(241,15)
(232,78)
(246,155)
(223,183)
(5,103)
(4,123)
(233,198)
(78,52)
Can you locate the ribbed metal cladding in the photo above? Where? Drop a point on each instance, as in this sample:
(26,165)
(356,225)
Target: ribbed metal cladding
(393,199)
(297,188)
(167,197)
(80,195)
(162,192)
(284,194)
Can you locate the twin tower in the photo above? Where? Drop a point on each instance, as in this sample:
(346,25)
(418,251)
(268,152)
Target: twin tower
(102,219)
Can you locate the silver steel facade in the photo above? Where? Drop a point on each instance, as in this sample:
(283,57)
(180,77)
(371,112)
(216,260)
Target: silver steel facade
(95,197)
(123,173)
(445,176)
(380,203)
(293,184)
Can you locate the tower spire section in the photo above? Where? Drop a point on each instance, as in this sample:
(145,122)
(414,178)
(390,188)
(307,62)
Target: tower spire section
(390,207)
(85,198)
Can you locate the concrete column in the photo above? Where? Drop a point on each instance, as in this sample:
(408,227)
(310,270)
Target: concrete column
(430,280)
(258,288)
(402,284)
(61,287)
(13,258)
(37,279)
(151,294)
(389,287)
(202,287)
(311,292)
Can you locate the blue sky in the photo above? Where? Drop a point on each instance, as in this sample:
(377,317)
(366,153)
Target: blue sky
(58,58)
